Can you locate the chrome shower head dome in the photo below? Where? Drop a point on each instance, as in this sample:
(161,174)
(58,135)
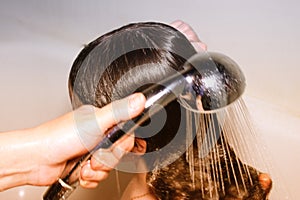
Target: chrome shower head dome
(217,83)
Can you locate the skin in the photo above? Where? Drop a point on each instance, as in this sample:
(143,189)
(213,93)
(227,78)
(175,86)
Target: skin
(38,156)
(190,34)
(138,188)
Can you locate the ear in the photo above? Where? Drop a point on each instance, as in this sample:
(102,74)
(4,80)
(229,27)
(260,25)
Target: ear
(140,146)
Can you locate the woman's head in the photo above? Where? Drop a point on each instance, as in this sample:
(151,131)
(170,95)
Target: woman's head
(129,59)
(126,60)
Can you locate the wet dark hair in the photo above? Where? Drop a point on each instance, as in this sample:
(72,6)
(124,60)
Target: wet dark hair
(126,60)
(129,59)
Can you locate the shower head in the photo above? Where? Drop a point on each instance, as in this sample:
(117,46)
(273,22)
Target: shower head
(207,83)
(215,81)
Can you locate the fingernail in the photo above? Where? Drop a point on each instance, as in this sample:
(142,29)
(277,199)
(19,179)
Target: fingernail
(135,101)
(119,152)
(88,173)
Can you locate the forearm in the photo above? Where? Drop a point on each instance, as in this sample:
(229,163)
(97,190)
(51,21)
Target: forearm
(33,156)
(17,152)
(37,156)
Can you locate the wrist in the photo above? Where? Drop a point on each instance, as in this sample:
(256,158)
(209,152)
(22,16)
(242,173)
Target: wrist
(18,158)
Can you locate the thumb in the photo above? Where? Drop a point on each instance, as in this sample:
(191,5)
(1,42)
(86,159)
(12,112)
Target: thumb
(120,110)
(91,123)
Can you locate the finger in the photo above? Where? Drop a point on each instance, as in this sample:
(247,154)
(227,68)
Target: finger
(265,181)
(185,28)
(199,46)
(176,23)
(88,184)
(90,175)
(190,34)
(182,27)
(92,122)
(121,110)
(106,159)
(123,145)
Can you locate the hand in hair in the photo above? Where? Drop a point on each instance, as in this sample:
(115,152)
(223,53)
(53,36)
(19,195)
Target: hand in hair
(190,34)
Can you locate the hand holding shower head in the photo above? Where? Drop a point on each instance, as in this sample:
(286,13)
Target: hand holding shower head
(207,83)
